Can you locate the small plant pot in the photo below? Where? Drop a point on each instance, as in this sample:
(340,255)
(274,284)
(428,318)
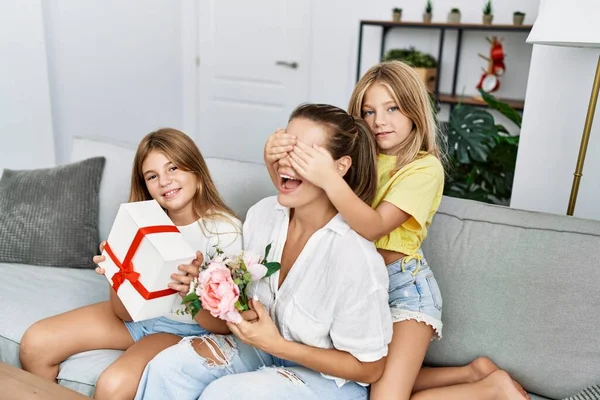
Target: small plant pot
(397,16)
(487,19)
(518,19)
(454,18)
(427,18)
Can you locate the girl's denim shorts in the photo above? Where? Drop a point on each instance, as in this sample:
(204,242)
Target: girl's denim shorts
(414,293)
(140,329)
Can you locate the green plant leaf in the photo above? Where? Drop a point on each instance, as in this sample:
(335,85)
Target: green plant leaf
(502,129)
(502,107)
(194,307)
(267,250)
(189,298)
(471,134)
(272,267)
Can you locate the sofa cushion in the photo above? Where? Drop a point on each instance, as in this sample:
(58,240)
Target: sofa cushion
(57,290)
(521,288)
(50,216)
(241,184)
(114,188)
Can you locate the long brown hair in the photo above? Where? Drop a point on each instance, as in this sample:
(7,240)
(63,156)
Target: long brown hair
(413,100)
(348,136)
(181,150)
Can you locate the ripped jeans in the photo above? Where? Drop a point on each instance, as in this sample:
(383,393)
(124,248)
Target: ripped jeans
(236,371)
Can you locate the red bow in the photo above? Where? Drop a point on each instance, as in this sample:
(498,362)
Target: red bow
(126,271)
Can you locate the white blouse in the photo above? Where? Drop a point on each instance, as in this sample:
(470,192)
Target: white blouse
(336,293)
(205,235)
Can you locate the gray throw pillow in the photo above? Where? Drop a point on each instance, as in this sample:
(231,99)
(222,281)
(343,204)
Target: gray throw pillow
(49,216)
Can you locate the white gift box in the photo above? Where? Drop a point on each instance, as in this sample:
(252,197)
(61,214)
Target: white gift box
(143,249)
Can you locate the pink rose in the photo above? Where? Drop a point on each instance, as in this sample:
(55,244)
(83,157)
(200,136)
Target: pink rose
(257,270)
(218,293)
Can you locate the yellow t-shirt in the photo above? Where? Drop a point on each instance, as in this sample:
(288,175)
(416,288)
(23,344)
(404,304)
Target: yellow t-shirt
(415,189)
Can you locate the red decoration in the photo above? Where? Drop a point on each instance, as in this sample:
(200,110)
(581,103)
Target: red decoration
(489,80)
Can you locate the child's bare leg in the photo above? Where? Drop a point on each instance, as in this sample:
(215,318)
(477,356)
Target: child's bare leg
(496,386)
(430,378)
(120,380)
(403,364)
(50,341)
(478,369)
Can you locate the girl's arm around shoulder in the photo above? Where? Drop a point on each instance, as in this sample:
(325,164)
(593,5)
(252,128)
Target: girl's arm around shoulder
(369,223)
(413,191)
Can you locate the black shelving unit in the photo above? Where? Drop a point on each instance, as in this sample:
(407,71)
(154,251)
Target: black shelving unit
(450,98)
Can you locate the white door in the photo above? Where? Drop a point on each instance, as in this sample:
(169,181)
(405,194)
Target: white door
(254,63)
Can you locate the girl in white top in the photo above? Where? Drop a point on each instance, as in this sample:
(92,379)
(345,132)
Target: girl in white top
(169,168)
(321,324)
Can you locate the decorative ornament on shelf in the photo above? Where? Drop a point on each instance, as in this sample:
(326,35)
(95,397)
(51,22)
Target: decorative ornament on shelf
(488,16)
(397,14)
(454,16)
(490,79)
(518,18)
(428,14)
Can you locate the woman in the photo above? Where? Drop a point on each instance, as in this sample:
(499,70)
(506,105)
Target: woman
(322,322)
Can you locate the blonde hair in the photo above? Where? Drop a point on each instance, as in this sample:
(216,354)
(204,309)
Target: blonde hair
(412,98)
(183,152)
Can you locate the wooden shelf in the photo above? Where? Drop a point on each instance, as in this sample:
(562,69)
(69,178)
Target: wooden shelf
(445,25)
(473,101)
(451,98)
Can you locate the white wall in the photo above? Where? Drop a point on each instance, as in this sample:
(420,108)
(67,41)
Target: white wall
(26,139)
(335,40)
(558,94)
(116,68)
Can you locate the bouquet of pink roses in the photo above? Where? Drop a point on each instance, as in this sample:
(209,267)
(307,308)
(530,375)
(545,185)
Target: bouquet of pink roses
(223,282)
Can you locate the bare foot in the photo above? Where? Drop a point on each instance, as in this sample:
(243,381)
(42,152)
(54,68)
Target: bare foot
(505,387)
(481,367)
(520,389)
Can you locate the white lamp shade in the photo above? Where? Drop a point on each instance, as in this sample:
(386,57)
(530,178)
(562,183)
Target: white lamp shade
(571,23)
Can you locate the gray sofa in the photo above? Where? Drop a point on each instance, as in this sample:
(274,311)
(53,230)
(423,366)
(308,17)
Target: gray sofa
(519,287)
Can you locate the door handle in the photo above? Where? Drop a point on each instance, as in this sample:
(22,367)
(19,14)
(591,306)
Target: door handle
(292,64)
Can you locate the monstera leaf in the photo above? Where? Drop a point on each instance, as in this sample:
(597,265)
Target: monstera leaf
(471,134)
(503,108)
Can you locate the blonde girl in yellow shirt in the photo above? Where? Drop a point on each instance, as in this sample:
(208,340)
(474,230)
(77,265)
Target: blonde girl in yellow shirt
(395,103)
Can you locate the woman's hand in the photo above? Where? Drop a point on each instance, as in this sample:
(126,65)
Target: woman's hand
(278,146)
(260,333)
(314,164)
(182,282)
(98,259)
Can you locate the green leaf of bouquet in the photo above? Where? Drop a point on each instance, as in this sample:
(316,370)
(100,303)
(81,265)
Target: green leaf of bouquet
(239,306)
(195,306)
(267,250)
(189,298)
(272,267)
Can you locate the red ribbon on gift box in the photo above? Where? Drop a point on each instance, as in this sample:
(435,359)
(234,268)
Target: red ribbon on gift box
(126,271)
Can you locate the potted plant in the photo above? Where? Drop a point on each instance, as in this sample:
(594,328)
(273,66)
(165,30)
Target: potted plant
(427,15)
(487,13)
(397,14)
(481,153)
(518,17)
(424,64)
(454,16)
